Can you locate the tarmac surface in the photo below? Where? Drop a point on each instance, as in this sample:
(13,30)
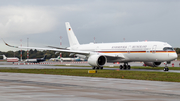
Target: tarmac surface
(43,87)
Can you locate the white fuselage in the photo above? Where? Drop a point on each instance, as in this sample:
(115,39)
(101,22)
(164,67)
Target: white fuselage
(12,59)
(132,51)
(30,61)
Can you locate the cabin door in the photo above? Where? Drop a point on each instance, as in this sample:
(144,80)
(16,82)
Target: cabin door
(129,49)
(154,49)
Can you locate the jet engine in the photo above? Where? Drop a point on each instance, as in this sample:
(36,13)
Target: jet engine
(97,60)
(152,64)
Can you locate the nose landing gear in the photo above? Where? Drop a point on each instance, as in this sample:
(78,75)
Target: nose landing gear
(166,66)
(166,69)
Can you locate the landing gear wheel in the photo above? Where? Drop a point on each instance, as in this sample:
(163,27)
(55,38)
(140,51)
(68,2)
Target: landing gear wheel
(101,67)
(124,67)
(166,69)
(120,67)
(129,67)
(166,66)
(93,67)
(97,67)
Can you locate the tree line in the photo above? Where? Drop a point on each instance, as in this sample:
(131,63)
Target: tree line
(177,50)
(39,54)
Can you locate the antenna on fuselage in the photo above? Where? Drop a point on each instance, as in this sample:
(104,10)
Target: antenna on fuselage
(94,39)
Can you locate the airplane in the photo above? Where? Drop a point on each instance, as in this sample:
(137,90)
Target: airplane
(55,59)
(59,58)
(152,53)
(36,60)
(72,59)
(10,59)
(80,59)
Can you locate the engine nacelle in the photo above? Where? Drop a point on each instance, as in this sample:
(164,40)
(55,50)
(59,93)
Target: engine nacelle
(97,60)
(152,64)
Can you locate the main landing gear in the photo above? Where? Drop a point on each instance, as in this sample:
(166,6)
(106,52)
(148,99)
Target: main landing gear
(97,67)
(125,66)
(166,66)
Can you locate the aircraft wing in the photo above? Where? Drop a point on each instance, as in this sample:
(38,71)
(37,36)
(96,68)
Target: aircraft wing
(112,56)
(60,50)
(53,49)
(57,47)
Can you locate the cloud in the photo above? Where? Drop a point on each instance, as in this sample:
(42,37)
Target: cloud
(25,20)
(108,21)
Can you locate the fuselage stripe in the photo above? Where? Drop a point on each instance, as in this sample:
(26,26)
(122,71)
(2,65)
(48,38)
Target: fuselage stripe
(136,51)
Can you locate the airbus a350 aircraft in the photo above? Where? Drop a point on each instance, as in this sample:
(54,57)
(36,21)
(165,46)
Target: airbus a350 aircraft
(152,53)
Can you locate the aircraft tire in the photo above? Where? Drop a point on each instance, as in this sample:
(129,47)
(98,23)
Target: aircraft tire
(129,67)
(166,69)
(124,67)
(93,67)
(120,67)
(101,67)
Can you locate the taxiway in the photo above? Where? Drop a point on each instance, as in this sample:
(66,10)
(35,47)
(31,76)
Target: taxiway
(43,87)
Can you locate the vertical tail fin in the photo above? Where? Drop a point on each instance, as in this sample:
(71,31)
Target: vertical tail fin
(44,56)
(71,36)
(4,57)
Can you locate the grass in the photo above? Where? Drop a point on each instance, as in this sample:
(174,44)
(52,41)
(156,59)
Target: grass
(133,67)
(155,68)
(138,75)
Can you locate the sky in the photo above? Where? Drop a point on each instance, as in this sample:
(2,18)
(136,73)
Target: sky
(43,21)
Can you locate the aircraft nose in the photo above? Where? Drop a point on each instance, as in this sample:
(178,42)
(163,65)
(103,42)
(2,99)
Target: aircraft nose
(174,56)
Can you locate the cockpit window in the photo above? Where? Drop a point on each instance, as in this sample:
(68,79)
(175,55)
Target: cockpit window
(168,49)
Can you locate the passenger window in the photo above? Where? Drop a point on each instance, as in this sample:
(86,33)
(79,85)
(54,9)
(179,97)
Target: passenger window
(168,49)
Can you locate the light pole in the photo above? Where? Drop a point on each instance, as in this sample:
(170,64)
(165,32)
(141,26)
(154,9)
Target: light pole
(27,48)
(21,49)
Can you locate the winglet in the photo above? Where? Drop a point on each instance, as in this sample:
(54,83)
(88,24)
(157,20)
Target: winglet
(9,45)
